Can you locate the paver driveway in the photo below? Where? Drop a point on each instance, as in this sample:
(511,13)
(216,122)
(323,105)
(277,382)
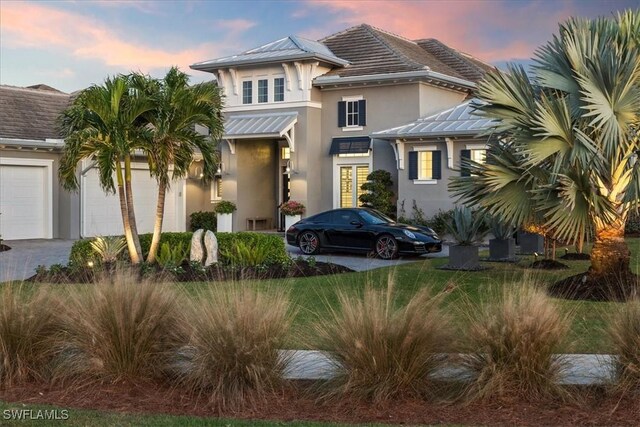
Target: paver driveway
(25,255)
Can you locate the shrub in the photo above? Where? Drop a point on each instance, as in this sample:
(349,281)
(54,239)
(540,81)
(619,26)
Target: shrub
(118,329)
(246,255)
(512,344)
(203,220)
(633,223)
(108,247)
(500,229)
(381,351)
(224,207)
(235,334)
(272,244)
(28,320)
(292,208)
(624,334)
(172,256)
(439,221)
(378,192)
(466,226)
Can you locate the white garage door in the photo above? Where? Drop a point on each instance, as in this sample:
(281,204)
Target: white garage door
(25,199)
(101,213)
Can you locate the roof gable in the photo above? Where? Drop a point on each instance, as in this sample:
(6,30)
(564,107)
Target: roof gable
(30,113)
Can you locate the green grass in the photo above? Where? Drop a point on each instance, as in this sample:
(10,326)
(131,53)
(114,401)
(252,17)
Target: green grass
(84,417)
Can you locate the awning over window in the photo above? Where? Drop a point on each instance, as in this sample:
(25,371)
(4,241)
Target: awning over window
(268,125)
(350,145)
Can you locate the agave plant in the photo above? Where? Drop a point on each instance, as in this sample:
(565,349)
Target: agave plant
(466,226)
(108,247)
(500,229)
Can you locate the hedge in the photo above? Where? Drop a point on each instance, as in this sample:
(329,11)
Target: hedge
(633,223)
(81,251)
(204,220)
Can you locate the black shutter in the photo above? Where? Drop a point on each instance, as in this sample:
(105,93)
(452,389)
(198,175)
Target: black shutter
(413,165)
(362,112)
(464,168)
(436,159)
(342,114)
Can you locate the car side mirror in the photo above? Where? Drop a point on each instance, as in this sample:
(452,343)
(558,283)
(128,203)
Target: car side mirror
(356,223)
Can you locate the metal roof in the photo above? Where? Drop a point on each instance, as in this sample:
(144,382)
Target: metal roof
(273,125)
(350,145)
(285,49)
(459,120)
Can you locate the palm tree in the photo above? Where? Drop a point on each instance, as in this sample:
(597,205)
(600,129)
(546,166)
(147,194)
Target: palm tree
(173,141)
(102,125)
(567,139)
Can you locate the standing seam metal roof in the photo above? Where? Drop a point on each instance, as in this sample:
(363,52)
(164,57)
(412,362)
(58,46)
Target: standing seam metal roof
(459,120)
(251,125)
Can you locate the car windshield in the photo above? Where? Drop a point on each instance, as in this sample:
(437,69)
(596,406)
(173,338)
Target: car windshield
(373,217)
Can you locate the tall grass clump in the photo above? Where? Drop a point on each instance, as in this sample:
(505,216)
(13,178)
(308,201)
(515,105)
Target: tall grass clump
(624,334)
(511,345)
(234,336)
(28,319)
(382,350)
(118,329)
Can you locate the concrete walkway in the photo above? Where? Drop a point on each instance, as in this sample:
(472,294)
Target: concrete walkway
(581,369)
(25,256)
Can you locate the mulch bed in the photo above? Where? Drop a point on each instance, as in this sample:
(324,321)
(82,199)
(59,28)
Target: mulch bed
(591,287)
(4,248)
(295,403)
(548,264)
(187,272)
(575,256)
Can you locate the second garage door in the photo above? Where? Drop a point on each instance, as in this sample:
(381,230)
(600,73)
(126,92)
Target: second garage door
(101,213)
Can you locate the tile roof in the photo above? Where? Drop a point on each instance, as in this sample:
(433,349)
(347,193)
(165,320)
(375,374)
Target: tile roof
(374,51)
(28,113)
(285,49)
(459,120)
(466,65)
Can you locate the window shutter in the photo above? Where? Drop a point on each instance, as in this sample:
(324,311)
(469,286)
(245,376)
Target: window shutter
(342,114)
(413,165)
(436,158)
(362,112)
(464,169)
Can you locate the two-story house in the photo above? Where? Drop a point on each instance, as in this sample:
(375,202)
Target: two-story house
(309,120)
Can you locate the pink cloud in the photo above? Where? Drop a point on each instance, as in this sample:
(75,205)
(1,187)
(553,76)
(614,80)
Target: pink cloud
(38,26)
(238,25)
(469,25)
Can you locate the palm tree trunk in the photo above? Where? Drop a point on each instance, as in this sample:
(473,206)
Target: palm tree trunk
(133,253)
(157,228)
(610,255)
(130,211)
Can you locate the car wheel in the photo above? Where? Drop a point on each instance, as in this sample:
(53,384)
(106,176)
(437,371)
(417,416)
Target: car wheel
(386,247)
(309,243)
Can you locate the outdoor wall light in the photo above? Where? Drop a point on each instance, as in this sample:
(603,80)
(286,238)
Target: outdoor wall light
(289,168)
(219,170)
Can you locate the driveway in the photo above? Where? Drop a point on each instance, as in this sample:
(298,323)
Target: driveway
(21,261)
(362,262)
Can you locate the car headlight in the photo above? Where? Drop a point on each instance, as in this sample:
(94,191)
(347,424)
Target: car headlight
(409,234)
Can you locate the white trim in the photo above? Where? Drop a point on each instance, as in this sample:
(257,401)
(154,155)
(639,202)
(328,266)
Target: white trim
(48,186)
(346,161)
(287,76)
(476,147)
(425,148)
(449,143)
(425,181)
(234,80)
(352,98)
(352,128)
(300,72)
(273,106)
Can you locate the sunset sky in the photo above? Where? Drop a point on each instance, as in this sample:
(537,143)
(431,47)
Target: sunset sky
(72,44)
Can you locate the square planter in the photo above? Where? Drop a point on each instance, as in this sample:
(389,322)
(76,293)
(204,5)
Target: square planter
(500,249)
(530,243)
(289,220)
(225,223)
(463,257)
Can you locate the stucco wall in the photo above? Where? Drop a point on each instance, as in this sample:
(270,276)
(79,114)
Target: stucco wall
(198,198)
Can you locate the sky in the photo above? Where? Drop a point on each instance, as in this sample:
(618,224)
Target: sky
(70,45)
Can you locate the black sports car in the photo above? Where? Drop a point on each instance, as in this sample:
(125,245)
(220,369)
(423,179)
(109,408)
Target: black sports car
(361,230)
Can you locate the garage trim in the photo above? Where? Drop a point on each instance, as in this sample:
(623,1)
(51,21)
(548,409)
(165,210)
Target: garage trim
(48,164)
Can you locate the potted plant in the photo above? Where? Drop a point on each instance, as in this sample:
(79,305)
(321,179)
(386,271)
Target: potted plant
(291,211)
(466,228)
(503,246)
(224,216)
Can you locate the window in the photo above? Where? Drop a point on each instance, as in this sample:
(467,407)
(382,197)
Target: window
(278,89)
(352,113)
(263,90)
(425,165)
(216,188)
(351,180)
(247,92)
(479,156)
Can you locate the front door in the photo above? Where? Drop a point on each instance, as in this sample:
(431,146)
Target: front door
(351,179)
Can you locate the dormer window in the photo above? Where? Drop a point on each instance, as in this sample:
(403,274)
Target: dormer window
(263,90)
(247,92)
